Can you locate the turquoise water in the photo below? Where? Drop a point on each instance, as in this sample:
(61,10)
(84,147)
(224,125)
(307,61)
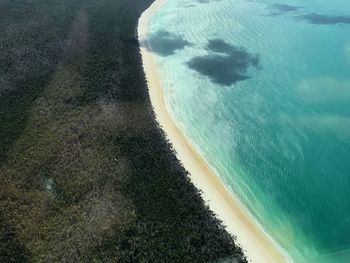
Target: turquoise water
(262,88)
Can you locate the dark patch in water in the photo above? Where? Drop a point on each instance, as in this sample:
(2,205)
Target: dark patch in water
(164,43)
(201,2)
(280,9)
(207,1)
(219,46)
(312,18)
(286,8)
(319,19)
(228,64)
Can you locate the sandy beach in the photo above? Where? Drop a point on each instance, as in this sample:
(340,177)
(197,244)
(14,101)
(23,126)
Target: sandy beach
(258,246)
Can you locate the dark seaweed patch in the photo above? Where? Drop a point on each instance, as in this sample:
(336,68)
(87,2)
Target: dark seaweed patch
(165,44)
(228,65)
(220,46)
(320,19)
(310,17)
(286,8)
(280,9)
(207,1)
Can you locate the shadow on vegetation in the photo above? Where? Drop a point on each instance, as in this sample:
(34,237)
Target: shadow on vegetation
(225,64)
(30,50)
(11,249)
(164,43)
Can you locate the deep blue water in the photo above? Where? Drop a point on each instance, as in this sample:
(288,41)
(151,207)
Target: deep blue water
(262,88)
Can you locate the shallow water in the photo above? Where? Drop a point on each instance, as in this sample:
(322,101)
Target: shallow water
(262,88)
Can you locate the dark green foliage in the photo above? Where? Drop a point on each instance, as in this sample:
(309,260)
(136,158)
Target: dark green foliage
(86,175)
(11,250)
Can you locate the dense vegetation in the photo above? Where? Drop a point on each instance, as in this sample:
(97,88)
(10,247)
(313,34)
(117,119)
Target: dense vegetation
(86,175)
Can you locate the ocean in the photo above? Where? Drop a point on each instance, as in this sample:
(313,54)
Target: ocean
(262,89)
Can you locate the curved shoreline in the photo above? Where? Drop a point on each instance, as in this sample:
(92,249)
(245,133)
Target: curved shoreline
(257,245)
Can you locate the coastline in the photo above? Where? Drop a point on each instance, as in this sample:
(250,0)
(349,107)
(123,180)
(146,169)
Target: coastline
(257,245)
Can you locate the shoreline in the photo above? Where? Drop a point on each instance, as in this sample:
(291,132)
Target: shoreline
(256,244)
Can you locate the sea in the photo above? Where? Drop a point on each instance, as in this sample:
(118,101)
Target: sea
(262,90)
